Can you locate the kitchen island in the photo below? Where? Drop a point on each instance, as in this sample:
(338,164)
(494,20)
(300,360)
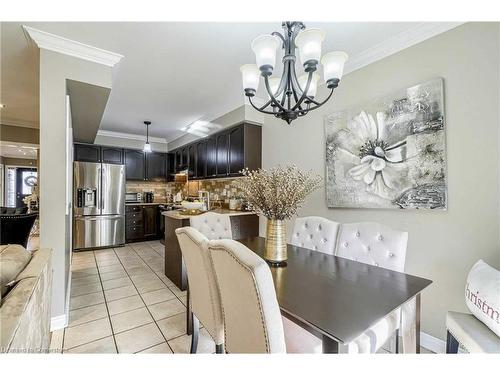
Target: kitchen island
(244,224)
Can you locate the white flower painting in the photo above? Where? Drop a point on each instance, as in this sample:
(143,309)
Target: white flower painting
(389,153)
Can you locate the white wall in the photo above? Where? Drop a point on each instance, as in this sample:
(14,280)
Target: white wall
(442,245)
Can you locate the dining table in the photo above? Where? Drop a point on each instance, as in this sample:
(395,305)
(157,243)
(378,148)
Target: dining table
(338,299)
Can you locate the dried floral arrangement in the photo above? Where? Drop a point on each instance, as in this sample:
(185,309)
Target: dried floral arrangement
(277,193)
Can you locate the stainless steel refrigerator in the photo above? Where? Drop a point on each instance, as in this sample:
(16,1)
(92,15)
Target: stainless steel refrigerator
(99,205)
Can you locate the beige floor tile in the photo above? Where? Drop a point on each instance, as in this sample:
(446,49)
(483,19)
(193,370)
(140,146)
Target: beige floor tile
(85,289)
(138,339)
(56,341)
(173,326)
(182,344)
(85,280)
(113,268)
(116,283)
(101,346)
(130,319)
(86,300)
(162,348)
(140,270)
(163,294)
(118,293)
(165,309)
(84,267)
(113,275)
(87,332)
(108,262)
(87,314)
(183,300)
(177,291)
(149,287)
(144,278)
(125,304)
(79,273)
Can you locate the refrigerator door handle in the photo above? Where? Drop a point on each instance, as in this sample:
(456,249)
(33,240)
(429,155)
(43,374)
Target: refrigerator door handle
(100,187)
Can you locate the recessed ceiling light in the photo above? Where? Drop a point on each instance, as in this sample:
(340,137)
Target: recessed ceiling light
(2,105)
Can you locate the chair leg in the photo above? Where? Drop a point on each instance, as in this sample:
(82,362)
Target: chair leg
(397,342)
(451,344)
(194,335)
(219,349)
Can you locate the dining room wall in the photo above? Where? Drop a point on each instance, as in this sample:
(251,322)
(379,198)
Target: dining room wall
(443,245)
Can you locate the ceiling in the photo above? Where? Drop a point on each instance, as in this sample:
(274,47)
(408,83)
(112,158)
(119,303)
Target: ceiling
(172,73)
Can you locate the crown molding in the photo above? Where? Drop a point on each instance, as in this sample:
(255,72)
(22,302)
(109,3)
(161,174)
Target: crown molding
(136,137)
(397,43)
(70,47)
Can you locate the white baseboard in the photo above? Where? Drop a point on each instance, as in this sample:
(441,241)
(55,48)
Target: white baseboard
(432,343)
(58,322)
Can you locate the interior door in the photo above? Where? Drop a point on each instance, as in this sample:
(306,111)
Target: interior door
(23,190)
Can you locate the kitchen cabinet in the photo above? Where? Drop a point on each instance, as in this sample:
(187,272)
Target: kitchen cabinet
(111,155)
(211,168)
(135,166)
(222,155)
(170,166)
(156,166)
(151,221)
(201,159)
(236,150)
(142,222)
(191,165)
(87,153)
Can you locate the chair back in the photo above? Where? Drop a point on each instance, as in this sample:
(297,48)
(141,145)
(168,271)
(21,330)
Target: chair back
(252,317)
(212,225)
(315,233)
(203,291)
(373,243)
(15,229)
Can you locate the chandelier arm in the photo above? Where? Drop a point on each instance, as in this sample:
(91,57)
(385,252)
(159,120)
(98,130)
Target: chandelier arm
(304,93)
(260,109)
(323,102)
(275,33)
(283,82)
(271,96)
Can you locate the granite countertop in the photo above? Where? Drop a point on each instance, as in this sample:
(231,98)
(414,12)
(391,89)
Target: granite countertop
(143,203)
(177,215)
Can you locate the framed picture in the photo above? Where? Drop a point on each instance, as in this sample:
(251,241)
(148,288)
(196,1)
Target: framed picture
(389,152)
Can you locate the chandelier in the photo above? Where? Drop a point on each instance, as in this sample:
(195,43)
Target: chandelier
(289,96)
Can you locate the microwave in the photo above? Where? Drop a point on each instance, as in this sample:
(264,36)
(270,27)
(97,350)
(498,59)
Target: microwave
(133,197)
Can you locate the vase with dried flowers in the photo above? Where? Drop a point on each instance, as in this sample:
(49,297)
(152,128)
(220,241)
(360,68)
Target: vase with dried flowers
(277,194)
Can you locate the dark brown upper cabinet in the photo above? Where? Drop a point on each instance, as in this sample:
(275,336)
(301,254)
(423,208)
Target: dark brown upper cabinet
(211,168)
(135,165)
(156,166)
(170,166)
(201,159)
(178,160)
(111,155)
(222,154)
(88,153)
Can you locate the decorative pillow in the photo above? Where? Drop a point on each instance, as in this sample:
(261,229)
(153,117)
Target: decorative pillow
(13,259)
(482,294)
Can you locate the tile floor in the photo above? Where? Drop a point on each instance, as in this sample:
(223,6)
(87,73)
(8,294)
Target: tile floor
(122,302)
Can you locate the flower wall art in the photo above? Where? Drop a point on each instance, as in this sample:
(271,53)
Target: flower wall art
(390,152)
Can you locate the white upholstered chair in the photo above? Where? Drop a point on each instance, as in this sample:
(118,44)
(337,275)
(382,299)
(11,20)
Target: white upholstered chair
(203,291)
(470,334)
(315,233)
(212,225)
(381,246)
(252,318)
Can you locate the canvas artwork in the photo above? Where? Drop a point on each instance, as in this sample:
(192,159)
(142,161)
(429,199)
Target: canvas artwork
(390,152)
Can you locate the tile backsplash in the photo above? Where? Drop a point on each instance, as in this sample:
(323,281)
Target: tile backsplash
(220,189)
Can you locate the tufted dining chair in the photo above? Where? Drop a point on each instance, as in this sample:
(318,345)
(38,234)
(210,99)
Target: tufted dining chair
(315,233)
(381,246)
(203,292)
(252,318)
(212,225)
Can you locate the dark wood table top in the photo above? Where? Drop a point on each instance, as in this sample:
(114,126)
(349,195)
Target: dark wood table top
(337,297)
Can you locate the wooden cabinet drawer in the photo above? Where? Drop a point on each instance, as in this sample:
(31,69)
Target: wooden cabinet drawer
(129,209)
(131,222)
(134,232)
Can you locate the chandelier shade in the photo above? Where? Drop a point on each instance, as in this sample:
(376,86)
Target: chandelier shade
(147,145)
(291,96)
(265,48)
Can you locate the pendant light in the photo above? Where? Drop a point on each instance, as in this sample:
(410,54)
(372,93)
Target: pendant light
(147,145)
